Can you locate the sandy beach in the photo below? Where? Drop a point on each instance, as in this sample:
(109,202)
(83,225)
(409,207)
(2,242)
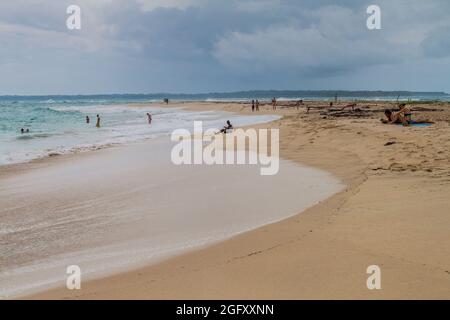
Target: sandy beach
(193,150)
(393,213)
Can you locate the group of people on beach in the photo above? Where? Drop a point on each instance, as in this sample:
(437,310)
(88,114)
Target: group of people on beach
(401,116)
(88,121)
(274,103)
(255,105)
(98,124)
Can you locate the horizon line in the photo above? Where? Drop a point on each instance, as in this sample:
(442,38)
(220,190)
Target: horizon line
(331,91)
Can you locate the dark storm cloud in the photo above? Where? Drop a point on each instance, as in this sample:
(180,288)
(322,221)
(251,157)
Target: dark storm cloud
(212,45)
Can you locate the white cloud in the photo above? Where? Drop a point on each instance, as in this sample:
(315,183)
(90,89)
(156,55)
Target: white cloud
(150,5)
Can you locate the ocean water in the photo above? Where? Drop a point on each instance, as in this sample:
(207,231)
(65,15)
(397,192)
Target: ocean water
(58,126)
(57,123)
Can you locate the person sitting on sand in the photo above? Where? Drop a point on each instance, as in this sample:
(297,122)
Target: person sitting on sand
(229,126)
(98,121)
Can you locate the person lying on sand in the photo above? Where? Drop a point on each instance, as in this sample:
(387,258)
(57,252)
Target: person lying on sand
(351,105)
(394,117)
(229,126)
(401,117)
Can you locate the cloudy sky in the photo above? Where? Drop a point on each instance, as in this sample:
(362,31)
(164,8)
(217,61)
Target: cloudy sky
(148,46)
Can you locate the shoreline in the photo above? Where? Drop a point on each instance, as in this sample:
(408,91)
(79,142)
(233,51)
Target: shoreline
(154,246)
(327,237)
(161,128)
(48,165)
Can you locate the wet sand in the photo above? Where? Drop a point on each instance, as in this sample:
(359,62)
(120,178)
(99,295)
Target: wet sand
(121,208)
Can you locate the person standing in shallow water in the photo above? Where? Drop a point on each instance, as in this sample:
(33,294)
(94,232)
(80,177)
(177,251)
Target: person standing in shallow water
(149,117)
(257,105)
(98,121)
(88,120)
(253,105)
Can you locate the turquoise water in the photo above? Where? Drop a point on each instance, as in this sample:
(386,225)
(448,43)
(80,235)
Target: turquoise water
(59,126)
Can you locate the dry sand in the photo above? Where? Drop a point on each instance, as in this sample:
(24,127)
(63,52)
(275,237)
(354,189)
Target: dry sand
(395,213)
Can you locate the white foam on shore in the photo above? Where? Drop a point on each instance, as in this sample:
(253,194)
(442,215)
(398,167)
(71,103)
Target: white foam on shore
(121,124)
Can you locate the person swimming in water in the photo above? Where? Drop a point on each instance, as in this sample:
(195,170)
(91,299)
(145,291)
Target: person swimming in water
(98,121)
(229,126)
